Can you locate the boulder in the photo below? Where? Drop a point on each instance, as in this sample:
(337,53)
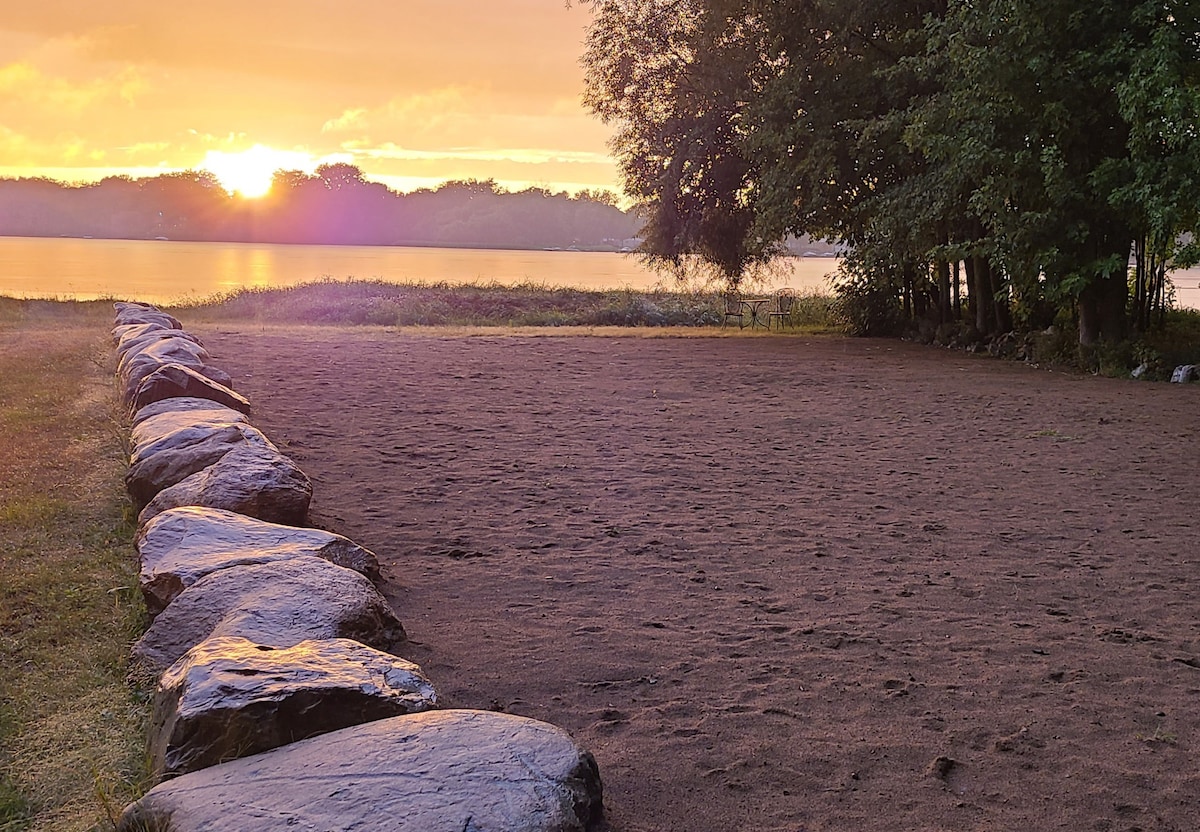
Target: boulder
(185,404)
(187,431)
(123,331)
(141,365)
(1183,374)
(137,337)
(182,545)
(162,351)
(144,313)
(170,459)
(155,427)
(174,380)
(124,305)
(438,771)
(229,698)
(249,479)
(277,604)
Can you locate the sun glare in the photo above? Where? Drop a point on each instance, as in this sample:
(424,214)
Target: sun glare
(249,172)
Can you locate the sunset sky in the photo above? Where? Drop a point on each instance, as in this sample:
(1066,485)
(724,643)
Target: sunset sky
(414,92)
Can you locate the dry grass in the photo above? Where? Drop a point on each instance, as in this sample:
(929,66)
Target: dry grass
(71,728)
(332,333)
(416,305)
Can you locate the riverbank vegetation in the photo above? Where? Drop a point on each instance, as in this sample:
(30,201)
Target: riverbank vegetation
(71,727)
(991,169)
(381,303)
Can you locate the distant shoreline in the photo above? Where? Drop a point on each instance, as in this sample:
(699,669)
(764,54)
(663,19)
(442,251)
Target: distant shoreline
(809,252)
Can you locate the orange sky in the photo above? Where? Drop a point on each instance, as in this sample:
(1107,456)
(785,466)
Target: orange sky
(414,92)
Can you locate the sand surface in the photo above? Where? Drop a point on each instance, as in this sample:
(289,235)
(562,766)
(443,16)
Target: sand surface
(777,583)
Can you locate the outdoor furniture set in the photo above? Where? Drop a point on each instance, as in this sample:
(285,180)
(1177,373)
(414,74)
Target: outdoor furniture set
(759,311)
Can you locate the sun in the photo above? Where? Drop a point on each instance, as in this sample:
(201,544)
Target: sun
(249,172)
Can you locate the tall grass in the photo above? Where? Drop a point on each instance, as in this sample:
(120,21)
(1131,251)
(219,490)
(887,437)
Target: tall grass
(375,302)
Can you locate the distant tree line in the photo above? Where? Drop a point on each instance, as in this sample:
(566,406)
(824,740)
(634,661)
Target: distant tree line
(988,165)
(334,206)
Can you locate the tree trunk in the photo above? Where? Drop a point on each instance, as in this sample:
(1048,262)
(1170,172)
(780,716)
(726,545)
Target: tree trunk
(945,305)
(1102,315)
(982,295)
(1000,303)
(1143,297)
(907,278)
(954,287)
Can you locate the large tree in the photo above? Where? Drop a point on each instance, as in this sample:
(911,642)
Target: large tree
(1034,142)
(673,77)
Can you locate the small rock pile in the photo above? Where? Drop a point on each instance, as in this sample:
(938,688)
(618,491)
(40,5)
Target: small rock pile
(280,702)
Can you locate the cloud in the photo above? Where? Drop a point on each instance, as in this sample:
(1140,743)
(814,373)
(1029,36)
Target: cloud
(420,90)
(532,156)
(23,83)
(354,119)
(20,149)
(142,148)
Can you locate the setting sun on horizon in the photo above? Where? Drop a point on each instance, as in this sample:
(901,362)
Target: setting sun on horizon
(411,94)
(250,172)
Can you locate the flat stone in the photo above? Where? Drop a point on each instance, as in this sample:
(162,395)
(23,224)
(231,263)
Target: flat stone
(184,404)
(277,604)
(187,431)
(249,479)
(174,380)
(183,545)
(439,771)
(229,698)
(170,459)
(158,426)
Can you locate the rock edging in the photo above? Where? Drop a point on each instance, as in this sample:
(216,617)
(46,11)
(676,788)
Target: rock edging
(279,701)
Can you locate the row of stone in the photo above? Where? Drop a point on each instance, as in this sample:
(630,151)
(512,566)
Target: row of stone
(279,703)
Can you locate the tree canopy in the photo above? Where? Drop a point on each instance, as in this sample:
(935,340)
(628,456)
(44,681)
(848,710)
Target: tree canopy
(1038,145)
(334,205)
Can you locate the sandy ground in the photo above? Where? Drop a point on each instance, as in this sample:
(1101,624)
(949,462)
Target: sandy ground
(777,583)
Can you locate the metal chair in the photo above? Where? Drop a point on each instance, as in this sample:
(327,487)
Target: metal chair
(782,311)
(734,308)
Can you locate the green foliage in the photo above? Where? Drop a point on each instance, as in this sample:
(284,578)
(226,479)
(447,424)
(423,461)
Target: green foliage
(15,810)
(920,135)
(867,301)
(374,302)
(817,312)
(1176,343)
(1157,353)
(672,77)
(378,303)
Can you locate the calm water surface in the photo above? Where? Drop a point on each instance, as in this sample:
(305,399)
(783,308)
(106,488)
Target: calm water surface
(161,272)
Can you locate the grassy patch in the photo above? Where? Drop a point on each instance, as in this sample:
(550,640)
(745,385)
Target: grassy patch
(72,731)
(374,302)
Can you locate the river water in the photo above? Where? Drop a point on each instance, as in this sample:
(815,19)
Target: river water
(162,272)
(165,271)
